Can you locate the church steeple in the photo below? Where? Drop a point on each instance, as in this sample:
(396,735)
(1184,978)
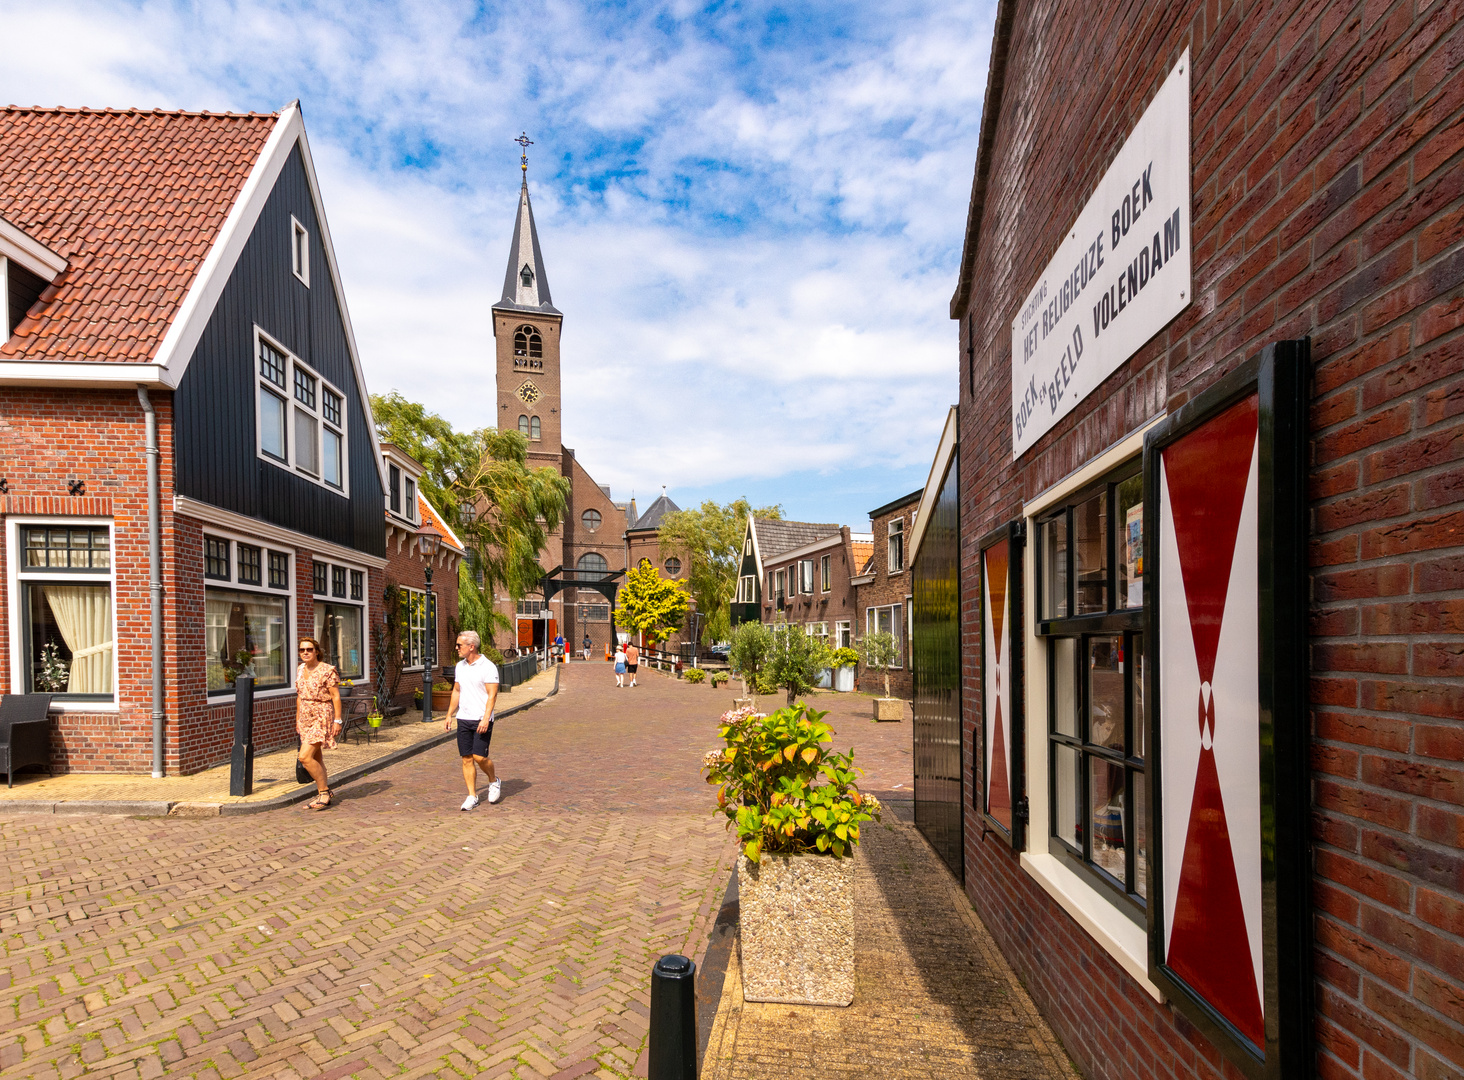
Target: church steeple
(525,286)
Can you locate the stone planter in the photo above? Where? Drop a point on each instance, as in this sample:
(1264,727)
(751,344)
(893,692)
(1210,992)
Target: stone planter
(797,928)
(889,708)
(743,703)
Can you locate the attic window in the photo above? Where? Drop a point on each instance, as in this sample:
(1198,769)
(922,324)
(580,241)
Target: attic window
(300,251)
(526,277)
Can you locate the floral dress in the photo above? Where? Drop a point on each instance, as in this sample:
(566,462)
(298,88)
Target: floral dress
(315,712)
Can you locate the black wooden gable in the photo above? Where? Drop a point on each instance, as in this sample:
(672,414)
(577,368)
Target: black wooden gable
(215,403)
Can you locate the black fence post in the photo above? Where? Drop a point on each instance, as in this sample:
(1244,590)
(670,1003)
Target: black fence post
(241,762)
(673,1019)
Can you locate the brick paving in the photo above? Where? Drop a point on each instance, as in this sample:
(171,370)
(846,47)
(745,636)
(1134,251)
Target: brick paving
(394,935)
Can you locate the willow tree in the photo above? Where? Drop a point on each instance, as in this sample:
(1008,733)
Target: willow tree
(711,535)
(482,485)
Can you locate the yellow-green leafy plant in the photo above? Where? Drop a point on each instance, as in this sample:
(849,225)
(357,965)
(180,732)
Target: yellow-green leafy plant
(768,785)
(695,675)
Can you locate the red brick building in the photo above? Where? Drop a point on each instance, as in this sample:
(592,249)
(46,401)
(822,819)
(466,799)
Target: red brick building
(170,294)
(884,592)
(1226,197)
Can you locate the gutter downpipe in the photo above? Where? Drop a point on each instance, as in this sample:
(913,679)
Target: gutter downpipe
(155,576)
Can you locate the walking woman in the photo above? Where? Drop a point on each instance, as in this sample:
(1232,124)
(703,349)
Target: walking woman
(620,666)
(317,714)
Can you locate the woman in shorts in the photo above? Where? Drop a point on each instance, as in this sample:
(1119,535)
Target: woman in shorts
(620,666)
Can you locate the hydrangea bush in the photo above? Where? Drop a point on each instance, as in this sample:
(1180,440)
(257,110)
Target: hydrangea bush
(768,785)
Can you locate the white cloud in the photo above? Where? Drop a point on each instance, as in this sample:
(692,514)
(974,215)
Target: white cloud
(752,225)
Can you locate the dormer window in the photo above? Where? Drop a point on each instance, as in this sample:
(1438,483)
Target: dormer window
(409,510)
(526,277)
(300,251)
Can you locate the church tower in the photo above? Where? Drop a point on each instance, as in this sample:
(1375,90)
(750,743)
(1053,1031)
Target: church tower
(526,327)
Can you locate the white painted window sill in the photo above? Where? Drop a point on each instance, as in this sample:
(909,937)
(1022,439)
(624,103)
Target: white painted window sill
(85,707)
(1119,936)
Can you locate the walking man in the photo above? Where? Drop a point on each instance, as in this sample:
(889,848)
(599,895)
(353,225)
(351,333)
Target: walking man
(474,692)
(632,661)
(587,644)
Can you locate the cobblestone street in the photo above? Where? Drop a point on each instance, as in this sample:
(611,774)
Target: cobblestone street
(394,935)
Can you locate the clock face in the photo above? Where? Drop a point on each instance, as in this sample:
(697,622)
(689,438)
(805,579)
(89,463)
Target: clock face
(528,393)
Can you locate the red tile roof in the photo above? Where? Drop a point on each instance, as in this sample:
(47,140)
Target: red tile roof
(133,200)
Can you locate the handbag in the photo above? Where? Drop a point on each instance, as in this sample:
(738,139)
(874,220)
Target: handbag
(302,774)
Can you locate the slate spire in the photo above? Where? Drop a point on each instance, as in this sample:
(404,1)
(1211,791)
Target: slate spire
(525,286)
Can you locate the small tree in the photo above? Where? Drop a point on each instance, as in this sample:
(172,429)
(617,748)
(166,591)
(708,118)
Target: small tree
(651,604)
(751,644)
(880,650)
(797,659)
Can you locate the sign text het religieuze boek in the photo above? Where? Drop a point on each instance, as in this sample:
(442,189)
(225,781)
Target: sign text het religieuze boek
(1120,275)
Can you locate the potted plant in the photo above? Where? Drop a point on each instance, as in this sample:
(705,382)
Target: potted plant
(441,694)
(843,660)
(374,720)
(795,878)
(880,650)
(417,697)
(719,678)
(748,654)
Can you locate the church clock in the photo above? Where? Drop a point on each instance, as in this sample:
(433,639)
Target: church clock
(528,393)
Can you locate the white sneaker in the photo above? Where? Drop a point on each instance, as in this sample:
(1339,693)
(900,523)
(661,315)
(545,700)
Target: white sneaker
(471,801)
(495,791)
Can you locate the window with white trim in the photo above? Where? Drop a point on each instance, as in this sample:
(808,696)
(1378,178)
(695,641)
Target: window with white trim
(805,576)
(747,589)
(1090,622)
(781,590)
(301,417)
(414,629)
(300,251)
(409,506)
(888,619)
(843,634)
(825,576)
(246,623)
(67,645)
(896,549)
(340,617)
(393,488)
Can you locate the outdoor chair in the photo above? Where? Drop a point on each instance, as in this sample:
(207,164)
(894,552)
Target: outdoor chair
(356,705)
(25,733)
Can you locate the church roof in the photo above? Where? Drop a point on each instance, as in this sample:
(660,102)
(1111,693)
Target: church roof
(651,519)
(525,286)
(776,536)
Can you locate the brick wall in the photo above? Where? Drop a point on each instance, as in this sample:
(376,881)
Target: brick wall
(405,567)
(1327,183)
(888,588)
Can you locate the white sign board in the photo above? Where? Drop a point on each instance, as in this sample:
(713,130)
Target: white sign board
(1120,276)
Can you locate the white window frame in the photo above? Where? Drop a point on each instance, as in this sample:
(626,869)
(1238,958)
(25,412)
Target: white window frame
(747,589)
(15,576)
(896,529)
(412,631)
(329,597)
(871,625)
(409,497)
(844,634)
(292,404)
(825,573)
(780,592)
(292,611)
(1091,906)
(300,252)
(805,577)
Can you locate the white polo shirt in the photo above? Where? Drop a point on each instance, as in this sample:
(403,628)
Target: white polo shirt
(473,681)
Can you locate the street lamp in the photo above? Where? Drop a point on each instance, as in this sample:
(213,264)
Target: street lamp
(428,540)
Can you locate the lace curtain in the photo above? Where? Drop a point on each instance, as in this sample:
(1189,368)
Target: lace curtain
(83,614)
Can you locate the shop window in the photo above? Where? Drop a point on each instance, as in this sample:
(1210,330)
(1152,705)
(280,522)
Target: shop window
(65,584)
(1089,593)
(338,629)
(246,628)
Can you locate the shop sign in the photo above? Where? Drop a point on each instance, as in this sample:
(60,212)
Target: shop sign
(1119,277)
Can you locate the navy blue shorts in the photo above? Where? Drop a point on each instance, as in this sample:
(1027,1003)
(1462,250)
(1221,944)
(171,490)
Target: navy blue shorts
(470,743)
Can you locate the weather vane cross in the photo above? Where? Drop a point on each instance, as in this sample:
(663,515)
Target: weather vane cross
(524,142)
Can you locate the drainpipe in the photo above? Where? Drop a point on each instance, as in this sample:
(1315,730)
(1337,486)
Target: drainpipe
(155,577)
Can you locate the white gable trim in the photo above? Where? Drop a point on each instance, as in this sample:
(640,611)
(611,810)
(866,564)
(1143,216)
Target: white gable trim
(25,250)
(938,467)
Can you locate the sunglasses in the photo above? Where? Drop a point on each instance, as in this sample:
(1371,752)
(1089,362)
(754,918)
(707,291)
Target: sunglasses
(306,648)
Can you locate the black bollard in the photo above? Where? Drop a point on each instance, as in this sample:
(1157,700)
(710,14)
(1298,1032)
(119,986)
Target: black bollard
(673,1019)
(241,762)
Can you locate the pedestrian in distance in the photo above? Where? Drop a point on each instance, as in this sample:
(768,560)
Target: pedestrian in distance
(587,644)
(474,693)
(620,666)
(632,661)
(317,715)
(558,648)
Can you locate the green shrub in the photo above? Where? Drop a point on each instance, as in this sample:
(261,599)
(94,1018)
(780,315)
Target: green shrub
(845,657)
(764,684)
(797,659)
(695,675)
(719,678)
(766,785)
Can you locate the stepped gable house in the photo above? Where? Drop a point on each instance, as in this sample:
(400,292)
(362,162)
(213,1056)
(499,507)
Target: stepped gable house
(1211,536)
(178,375)
(591,539)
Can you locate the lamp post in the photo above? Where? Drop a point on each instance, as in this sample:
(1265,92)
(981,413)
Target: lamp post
(428,539)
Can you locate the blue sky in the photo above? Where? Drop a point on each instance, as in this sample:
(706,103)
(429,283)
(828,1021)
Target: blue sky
(751,214)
